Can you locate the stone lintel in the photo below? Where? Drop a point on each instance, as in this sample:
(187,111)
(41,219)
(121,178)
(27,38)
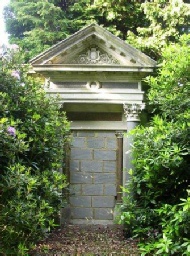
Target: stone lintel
(99,125)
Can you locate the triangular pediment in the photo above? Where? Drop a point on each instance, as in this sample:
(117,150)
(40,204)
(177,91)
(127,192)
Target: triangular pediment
(93,45)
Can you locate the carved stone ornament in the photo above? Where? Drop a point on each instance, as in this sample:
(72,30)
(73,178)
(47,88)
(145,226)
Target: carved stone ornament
(93,85)
(119,134)
(95,56)
(132,111)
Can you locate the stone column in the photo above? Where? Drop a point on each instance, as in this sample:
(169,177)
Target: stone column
(131,112)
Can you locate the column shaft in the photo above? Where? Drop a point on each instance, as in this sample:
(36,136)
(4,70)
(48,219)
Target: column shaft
(132,116)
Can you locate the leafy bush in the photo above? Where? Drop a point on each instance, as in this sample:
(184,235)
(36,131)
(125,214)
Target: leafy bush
(33,134)
(174,236)
(161,162)
(161,177)
(160,231)
(138,222)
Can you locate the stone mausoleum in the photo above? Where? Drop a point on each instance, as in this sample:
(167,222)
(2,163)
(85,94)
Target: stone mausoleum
(98,77)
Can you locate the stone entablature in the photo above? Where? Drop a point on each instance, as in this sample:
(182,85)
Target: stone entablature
(92,58)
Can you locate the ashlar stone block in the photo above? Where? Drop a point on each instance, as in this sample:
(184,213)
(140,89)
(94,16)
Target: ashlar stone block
(91,166)
(75,189)
(95,143)
(79,177)
(105,155)
(78,142)
(109,166)
(104,178)
(82,213)
(103,201)
(92,189)
(74,166)
(110,190)
(111,143)
(79,153)
(103,213)
(80,201)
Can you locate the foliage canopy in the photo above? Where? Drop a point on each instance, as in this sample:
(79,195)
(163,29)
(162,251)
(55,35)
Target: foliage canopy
(148,25)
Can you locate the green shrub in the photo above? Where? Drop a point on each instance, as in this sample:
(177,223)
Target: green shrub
(33,132)
(139,222)
(174,237)
(162,231)
(161,162)
(158,214)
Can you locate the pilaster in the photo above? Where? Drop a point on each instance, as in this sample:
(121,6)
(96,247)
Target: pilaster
(119,136)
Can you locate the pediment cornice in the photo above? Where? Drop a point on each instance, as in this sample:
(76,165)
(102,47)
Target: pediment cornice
(93,46)
(89,68)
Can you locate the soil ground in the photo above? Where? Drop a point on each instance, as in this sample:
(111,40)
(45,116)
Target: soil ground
(90,240)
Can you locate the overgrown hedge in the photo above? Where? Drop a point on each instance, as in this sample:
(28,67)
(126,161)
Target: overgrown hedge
(33,132)
(158,214)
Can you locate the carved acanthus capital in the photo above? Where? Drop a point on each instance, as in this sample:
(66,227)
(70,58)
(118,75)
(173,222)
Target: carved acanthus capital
(119,134)
(132,111)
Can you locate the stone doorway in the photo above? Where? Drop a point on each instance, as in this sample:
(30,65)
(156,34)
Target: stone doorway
(93,176)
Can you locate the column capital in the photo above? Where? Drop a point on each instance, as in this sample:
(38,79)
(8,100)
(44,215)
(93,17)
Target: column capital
(119,134)
(132,111)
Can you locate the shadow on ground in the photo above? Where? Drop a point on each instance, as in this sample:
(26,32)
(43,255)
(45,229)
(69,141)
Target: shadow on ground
(87,240)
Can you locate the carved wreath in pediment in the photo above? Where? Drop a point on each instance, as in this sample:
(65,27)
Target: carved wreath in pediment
(95,56)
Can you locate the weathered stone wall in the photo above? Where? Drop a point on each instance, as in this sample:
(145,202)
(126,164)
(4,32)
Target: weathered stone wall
(93,176)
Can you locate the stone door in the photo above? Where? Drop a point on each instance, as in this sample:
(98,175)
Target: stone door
(93,176)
